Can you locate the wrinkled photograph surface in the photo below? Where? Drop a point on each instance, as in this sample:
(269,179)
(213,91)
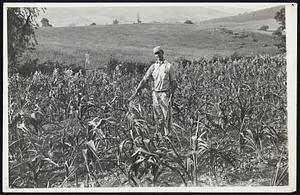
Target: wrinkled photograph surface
(149,97)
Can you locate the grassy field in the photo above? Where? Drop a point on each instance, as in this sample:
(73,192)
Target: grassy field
(252,25)
(130,42)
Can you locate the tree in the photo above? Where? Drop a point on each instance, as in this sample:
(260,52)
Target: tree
(138,19)
(45,23)
(20,34)
(264,27)
(115,21)
(93,24)
(188,22)
(279,34)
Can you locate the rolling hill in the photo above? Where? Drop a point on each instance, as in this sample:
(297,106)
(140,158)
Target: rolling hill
(251,21)
(263,14)
(134,42)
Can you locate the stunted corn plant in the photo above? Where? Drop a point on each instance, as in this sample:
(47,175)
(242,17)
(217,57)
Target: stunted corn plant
(229,125)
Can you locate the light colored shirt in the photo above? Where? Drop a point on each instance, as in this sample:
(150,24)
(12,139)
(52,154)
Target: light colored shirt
(163,73)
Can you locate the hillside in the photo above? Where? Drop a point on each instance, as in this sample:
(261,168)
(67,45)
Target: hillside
(130,42)
(252,25)
(263,14)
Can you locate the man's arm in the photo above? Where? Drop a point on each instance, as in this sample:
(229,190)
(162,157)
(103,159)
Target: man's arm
(139,87)
(142,83)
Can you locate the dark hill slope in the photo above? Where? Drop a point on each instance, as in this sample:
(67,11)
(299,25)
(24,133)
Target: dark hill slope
(263,14)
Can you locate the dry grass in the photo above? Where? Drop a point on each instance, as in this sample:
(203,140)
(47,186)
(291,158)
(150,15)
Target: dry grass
(135,42)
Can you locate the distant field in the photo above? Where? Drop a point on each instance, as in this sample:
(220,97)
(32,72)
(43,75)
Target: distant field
(132,42)
(253,25)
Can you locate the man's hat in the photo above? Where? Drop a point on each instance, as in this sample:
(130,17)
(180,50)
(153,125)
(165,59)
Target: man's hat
(157,49)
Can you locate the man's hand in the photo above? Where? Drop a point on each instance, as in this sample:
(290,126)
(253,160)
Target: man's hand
(173,87)
(139,87)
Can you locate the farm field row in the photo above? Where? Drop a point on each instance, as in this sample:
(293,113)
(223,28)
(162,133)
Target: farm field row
(229,128)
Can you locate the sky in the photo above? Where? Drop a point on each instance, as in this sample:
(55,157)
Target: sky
(251,6)
(80,14)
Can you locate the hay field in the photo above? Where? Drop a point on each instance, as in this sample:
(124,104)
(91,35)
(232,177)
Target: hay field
(134,42)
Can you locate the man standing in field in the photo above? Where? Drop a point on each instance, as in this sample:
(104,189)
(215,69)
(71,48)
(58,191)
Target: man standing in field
(164,81)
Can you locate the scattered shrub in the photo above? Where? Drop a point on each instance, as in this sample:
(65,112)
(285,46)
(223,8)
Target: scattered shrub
(240,35)
(264,28)
(236,56)
(115,21)
(188,22)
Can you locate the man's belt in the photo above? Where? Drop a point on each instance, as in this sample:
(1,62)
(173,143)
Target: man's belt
(164,90)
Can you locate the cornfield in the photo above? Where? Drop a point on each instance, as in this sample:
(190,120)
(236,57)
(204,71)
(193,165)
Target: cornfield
(229,127)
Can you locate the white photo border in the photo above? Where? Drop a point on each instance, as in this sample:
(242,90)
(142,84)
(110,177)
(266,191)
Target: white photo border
(291,37)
